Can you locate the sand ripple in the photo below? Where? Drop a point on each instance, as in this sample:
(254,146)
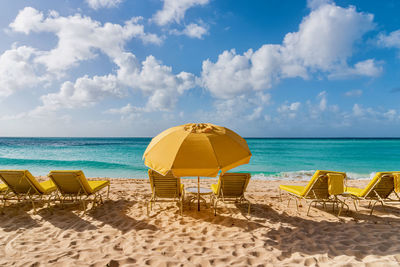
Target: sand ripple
(119,233)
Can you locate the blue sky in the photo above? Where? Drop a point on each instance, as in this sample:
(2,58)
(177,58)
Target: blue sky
(313,68)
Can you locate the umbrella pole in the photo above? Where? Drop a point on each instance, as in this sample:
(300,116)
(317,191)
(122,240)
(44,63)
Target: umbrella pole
(198,193)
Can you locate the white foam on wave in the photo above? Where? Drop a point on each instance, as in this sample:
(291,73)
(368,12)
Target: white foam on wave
(304,175)
(295,175)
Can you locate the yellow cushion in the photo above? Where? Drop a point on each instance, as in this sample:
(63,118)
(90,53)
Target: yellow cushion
(316,175)
(97,185)
(335,183)
(23,181)
(372,183)
(294,189)
(214,188)
(48,186)
(396,177)
(153,175)
(72,181)
(355,191)
(3,187)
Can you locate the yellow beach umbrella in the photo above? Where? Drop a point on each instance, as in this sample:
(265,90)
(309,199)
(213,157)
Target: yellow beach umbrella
(196,149)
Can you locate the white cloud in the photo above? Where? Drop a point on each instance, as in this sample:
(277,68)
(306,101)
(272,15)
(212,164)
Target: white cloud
(17,70)
(193,30)
(78,36)
(174,10)
(323,43)
(314,4)
(151,77)
(83,93)
(96,4)
(391,114)
(127,112)
(323,103)
(256,114)
(154,79)
(123,110)
(390,40)
(355,93)
(78,39)
(289,110)
(363,68)
(358,111)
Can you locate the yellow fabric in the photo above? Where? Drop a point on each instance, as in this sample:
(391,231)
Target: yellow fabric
(48,186)
(97,185)
(355,191)
(196,150)
(214,188)
(22,182)
(295,189)
(75,182)
(233,184)
(371,184)
(153,174)
(3,187)
(335,183)
(396,177)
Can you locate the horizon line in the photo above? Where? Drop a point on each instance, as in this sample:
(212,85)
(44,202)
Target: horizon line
(246,137)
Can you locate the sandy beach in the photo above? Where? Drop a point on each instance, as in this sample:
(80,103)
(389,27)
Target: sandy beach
(119,233)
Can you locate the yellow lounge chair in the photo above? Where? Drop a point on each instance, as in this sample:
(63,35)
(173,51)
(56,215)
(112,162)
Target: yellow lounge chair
(166,187)
(73,185)
(21,185)
(231,186)
(378,189)
(323,188)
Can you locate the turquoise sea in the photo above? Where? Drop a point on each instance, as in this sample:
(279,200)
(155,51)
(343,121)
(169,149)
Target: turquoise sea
(273,158)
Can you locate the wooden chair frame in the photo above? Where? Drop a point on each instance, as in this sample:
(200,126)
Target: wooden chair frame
(178,197)
(31,196)
(376,198)
(239,199)
(312,198)
(82,196)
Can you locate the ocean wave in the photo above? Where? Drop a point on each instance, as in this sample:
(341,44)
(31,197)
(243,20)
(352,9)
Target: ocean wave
(68,164)
(304,175)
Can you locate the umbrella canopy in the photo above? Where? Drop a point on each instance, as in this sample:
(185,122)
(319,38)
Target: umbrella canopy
(192,149)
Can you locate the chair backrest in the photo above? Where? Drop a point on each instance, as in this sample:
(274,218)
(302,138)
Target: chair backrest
(319,185)
(382,184)
(71,182)
(167,186)
(233,185)
(21,182)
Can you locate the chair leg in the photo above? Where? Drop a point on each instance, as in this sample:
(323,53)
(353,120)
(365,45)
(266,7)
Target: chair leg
(83,206)
(108,192)
(355,204)
(373,206)
(309,207)
(215,207)
(33,206)
(341,206)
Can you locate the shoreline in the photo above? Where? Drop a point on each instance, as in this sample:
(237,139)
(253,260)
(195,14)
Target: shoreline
(120,233)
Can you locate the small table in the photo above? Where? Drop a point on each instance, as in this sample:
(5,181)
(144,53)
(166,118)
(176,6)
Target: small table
(194,192)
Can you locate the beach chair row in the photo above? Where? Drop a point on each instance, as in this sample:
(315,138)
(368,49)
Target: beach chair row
(230,187)
(325,187)
(62,186)
(331,187)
